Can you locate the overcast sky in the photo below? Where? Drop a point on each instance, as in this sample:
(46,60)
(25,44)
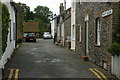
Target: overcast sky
(52,4)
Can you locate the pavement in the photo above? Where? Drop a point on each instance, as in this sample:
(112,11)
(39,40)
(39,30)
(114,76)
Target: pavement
(45,60)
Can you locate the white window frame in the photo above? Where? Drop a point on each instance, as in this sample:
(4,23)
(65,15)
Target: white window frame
(80,33)
(98,31)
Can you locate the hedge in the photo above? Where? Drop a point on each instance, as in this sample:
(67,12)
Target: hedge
(5,26)
(114,49)
(0,30)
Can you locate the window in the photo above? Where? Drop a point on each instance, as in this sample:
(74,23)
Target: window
(14,30)
(98,31)
(79,33)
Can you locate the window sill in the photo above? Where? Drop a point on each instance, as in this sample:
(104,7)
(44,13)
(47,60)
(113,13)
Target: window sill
(97,45)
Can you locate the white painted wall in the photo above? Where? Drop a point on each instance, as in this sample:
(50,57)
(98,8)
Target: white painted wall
(116,66)
(53,26)
(62,34)
(73,23)
(10,44)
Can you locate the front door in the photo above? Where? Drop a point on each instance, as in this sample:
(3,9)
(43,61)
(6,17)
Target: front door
(86,38)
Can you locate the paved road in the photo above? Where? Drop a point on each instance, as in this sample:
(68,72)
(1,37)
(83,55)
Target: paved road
(44,59)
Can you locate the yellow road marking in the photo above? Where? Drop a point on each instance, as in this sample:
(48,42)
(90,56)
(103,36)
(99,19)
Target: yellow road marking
(11,73)
(96,74)
(16,74)
(101,74)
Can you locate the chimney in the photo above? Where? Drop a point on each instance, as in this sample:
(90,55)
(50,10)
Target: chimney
(65,4)
(61,8)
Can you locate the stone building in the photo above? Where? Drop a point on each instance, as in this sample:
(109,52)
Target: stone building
(67,28)
(94,28)
(64,26)
(60,26)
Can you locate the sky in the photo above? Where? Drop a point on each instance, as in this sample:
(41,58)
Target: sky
(53,5)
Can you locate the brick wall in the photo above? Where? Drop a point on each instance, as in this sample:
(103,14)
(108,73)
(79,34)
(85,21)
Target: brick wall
(19,22)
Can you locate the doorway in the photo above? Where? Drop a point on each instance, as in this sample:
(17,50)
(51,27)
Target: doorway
(86,38)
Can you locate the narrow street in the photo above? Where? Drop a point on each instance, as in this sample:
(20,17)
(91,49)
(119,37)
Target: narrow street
(43,59)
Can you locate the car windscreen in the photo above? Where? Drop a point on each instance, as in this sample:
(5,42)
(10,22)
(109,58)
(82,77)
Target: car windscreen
(31,34)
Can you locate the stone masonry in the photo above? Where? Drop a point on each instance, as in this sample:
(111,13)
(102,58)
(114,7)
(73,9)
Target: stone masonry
(97,54)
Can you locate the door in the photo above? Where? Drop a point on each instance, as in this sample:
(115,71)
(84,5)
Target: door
(86,38)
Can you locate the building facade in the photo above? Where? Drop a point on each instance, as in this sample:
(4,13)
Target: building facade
(73,26)
(19,21)
(60,26)
(11,40)
(53,26)
(94,28)
(67,29)
(64,27)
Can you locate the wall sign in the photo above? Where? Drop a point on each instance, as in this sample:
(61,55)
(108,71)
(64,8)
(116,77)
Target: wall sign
(107,13)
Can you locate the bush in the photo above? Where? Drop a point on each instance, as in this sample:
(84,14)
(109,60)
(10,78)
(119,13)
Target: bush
(19,41)
(5,26)
(114,49)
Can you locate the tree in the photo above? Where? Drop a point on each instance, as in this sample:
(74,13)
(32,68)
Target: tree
(28,15)
(43,13)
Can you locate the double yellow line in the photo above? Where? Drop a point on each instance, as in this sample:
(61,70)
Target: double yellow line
(12,73)
(99,74)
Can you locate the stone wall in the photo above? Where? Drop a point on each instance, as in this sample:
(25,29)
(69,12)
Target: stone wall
(116,22)
(67,31)
(97,54)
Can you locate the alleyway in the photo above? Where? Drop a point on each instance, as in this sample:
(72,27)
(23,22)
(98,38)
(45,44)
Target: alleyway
(43,59)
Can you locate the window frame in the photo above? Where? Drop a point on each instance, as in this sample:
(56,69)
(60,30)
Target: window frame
(98,31)
(79,33)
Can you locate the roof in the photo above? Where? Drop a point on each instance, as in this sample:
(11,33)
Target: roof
(69,9)
(31,27)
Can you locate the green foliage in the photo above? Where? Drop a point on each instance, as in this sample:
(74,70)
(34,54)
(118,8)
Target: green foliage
(0,30)
(116,34)
(5,26)
(43,13)
(21,23)
(28,15)
(114,49)
(19,40)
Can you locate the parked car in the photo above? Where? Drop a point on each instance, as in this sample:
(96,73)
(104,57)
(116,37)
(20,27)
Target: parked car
(47,35)
(30,37)
(24,35)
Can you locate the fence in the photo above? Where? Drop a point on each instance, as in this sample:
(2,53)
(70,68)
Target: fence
(116,66)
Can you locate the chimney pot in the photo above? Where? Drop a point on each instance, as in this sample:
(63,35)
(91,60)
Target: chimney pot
(61,4)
